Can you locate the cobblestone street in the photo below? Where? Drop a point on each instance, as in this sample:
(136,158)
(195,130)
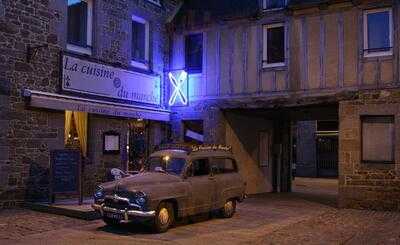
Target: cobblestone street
(266,219)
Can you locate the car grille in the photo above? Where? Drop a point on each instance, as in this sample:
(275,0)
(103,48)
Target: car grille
(118,204)
(114,201)
(126,194)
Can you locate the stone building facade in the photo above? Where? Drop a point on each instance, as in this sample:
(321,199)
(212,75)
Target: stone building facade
(33,33)
(253,69)
(364,184)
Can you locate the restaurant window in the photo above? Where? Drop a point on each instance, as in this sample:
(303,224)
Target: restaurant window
(378,32)
(75,131)
(273,4)
(378,142)
(140,43)
(194,53)
(80,15)
(274,45)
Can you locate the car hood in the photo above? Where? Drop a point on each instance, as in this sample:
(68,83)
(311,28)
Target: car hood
(140,181)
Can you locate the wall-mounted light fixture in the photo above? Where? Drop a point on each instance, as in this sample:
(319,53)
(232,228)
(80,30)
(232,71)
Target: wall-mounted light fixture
(32,51)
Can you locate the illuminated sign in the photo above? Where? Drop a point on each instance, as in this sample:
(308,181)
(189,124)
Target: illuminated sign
(178,88)
(87,77)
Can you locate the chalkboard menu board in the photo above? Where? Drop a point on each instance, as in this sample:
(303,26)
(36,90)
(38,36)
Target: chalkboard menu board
(65,171)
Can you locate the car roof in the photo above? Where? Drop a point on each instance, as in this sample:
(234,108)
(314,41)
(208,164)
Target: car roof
(172,152)
(211,153)
(185,154)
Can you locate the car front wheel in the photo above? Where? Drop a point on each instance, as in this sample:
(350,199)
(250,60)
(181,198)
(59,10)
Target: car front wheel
(164,218)
(229,208)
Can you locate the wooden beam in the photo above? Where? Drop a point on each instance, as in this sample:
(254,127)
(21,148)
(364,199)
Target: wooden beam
(340,21)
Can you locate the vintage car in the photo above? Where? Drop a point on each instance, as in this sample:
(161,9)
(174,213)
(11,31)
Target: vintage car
(176,183)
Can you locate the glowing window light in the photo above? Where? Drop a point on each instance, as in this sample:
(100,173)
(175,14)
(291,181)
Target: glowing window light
(177,84)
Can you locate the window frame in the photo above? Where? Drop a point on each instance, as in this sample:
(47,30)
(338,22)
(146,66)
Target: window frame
(194,70)
(156,2)
(264,6)
(365,30)
(365,118)
(265,63)
(190,167)
(234,164)
(89,35)
(136,63)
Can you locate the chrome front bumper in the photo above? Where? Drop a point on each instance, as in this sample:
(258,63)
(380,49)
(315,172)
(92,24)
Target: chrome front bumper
(126,213)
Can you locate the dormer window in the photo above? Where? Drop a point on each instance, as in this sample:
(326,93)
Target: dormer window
(273,4)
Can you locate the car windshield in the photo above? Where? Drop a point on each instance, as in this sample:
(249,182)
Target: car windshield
(166,164)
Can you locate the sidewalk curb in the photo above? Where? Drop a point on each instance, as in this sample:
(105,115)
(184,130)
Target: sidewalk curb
(73,213)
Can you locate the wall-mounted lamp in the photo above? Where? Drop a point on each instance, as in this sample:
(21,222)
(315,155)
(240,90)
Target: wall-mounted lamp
(32,52)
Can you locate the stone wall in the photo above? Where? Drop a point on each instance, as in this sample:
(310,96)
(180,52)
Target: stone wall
(245,142)
(27,135)
(362,185)
(97,164)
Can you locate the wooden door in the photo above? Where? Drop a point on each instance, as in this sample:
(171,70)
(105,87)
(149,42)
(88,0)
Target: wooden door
(265,157)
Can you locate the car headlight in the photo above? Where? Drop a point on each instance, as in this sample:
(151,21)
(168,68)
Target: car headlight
(140,199)
(99,193)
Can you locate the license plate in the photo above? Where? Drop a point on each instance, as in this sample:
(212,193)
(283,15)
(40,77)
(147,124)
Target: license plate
(114,216)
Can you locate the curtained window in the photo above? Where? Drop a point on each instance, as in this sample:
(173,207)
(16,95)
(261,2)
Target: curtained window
(76,130)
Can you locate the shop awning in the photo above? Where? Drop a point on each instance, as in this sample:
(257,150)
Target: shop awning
(72,103)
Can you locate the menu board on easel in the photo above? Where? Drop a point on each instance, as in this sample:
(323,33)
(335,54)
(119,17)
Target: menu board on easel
(65,173)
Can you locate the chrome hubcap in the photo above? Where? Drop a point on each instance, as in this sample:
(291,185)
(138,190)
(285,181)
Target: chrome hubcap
(228,207)
(163,216)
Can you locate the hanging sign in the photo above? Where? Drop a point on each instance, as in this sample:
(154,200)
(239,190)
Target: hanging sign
(87,77)
(178,88)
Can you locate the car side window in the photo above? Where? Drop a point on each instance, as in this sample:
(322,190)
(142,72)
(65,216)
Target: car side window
(199,167)
(223,165)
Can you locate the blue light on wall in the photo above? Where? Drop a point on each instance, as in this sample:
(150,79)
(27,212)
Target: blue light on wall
(178,88)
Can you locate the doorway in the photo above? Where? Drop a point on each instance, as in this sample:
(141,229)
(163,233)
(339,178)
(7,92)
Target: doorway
(138,144)
(265,158)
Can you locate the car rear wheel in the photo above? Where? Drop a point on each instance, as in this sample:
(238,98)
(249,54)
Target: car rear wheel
(229,208)
(110,222)
(164,218)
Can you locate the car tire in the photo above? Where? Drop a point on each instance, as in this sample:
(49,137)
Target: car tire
(111,222)
(229,208)
(164,218)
